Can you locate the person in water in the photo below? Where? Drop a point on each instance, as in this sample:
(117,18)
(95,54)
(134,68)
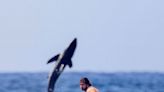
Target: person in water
(86,86)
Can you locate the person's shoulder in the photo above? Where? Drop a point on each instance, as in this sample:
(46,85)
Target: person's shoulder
(92,89)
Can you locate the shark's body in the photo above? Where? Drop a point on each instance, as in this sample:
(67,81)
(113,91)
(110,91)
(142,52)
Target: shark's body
(61,61)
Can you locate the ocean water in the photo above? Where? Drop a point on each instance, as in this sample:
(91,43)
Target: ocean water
(69,82)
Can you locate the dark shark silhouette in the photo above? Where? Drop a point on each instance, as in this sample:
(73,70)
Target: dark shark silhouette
(62,60)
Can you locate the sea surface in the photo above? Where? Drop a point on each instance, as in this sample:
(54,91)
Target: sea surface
(69,82)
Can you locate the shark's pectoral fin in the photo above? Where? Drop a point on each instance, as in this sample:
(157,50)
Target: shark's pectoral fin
(70,63)
(53,58)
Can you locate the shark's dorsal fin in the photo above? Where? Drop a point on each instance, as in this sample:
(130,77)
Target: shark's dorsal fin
(53,58)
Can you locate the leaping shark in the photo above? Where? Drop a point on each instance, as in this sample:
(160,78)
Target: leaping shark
(62,60)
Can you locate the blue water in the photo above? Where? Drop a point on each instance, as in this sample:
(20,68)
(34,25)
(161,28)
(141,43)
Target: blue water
(69,82)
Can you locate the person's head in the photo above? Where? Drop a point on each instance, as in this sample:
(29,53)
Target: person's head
(84,83)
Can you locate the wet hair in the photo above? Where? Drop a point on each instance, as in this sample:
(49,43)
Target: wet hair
(86,81)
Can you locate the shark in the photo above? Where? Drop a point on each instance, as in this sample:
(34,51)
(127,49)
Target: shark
(62,60)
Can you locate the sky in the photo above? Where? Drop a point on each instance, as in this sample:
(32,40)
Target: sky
(112,35)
